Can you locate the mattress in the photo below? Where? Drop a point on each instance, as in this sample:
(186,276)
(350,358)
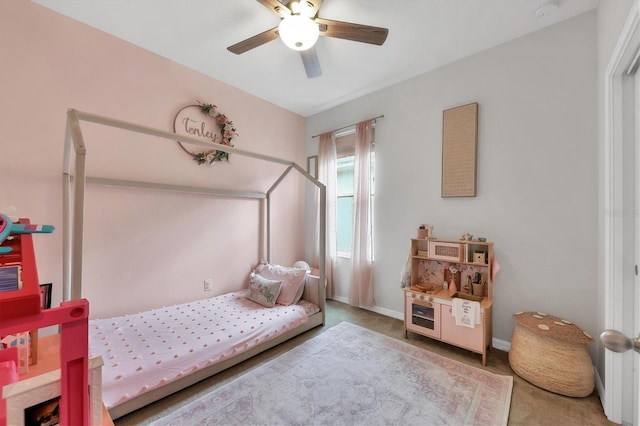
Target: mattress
(150,349)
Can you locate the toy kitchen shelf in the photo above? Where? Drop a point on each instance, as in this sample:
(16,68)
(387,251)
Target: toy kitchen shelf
(428,304)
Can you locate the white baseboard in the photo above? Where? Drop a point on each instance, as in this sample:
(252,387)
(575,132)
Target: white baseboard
(341,299)
(386,312)
(502,345)
(377,309)
(599,385)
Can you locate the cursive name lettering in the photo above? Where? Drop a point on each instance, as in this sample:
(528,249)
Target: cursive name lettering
(191,127)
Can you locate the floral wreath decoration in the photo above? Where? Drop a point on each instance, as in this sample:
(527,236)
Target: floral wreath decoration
(227,130)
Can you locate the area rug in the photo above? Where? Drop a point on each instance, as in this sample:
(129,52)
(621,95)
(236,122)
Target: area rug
(349,375)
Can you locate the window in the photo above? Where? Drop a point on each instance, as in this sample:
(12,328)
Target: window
(344,204)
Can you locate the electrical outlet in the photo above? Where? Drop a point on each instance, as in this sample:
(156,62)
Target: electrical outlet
(208,284)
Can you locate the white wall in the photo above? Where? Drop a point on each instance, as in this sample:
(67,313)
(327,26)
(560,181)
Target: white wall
(537,170)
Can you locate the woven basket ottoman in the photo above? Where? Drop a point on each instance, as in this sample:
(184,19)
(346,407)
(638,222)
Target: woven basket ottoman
(551,353)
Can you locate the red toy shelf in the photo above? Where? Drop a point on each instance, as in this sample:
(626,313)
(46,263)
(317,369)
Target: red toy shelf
(26,300)
(20,312)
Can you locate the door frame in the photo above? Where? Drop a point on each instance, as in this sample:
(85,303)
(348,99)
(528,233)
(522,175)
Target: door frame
(636,283)
(614,207)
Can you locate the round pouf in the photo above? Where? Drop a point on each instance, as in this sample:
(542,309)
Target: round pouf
(551,353)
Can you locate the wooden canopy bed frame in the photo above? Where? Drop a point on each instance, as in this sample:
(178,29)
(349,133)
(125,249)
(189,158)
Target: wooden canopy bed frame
(74,182)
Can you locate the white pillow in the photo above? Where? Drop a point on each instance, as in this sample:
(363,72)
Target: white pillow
(292,281)
(301,264)
(263,291)
(298,295)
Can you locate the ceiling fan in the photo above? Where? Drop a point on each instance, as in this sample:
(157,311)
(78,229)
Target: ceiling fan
(300,28)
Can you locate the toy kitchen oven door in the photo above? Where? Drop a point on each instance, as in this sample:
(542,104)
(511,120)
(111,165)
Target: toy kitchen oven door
(422,315)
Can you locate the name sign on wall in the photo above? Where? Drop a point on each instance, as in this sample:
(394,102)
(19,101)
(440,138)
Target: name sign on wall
(205,122)
(459,151)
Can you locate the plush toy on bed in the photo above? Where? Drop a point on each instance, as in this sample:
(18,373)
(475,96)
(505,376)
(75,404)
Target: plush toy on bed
(7,227)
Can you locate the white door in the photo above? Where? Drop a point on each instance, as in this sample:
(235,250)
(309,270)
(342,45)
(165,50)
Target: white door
(622,226)
(617,340)
(636,304)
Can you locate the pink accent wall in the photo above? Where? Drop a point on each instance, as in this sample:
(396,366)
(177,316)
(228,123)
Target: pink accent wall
(142,248)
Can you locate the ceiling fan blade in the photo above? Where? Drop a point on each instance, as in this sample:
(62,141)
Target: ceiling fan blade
(315,4)
(255,41)
(311,63)
(276,7)
(354,32)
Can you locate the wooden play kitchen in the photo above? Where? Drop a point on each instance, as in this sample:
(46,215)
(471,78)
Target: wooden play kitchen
(442,271)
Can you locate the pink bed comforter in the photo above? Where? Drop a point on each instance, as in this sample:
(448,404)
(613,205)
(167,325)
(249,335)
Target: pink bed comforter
(144,351)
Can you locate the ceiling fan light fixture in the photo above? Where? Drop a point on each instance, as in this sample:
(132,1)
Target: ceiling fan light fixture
(303,8)
(298,32)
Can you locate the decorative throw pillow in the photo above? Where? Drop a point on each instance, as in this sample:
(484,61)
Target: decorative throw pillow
(263,291)
(292,280)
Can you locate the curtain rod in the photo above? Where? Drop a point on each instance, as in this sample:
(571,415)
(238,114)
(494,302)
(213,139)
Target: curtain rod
(349,125)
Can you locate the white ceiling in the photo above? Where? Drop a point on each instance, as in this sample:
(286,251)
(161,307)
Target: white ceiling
(423,35)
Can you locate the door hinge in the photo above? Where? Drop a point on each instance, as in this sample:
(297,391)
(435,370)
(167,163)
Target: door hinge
(636,268)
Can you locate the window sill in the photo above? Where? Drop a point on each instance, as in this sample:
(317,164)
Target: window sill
(344,255)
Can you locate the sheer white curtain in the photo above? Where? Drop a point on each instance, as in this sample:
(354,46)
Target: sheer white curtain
(361,291)
(327,160)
